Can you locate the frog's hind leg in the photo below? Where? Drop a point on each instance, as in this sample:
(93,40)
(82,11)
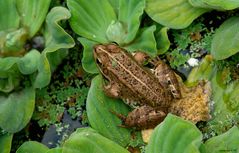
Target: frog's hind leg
(143,117)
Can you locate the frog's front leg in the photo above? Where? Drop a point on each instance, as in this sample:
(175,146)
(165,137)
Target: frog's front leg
(143,117)
(112,90)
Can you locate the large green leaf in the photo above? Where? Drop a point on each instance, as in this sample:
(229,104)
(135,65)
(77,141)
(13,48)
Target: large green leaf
(98,108)
(87,140)
(90,19)
(215,4)
(32,13)
(175,135)
(32,147)
(130,13)
(227,142)
(144,42)
(88,61)
(225,41)
(9,18)
(174,14)
(57,40)
(5,143)
(55,150)
(16,109)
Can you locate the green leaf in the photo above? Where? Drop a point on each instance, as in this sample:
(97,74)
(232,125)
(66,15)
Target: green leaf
(115,5)
(162,40)
(87,140)
(144,42)
(175,135)
(130,13)
(32,13)
(55,150)
(5,143)
(98,108)
(174,14)
(88,61)
(9,18)
(225,41)
(231,97)
(13,43)
(57,41)
(117,32)
(10,79)
(90,19)
(215,4)
(203,72)
(16,109)
(227,142)
(32,147)
(28,63)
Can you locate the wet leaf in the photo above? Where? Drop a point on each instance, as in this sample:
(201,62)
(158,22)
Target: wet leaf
(32,147)
(173,14)
(202,72)
(144,41)
(88,61)
(32,14)
(16,109)
(5,143)
(57,41)
(226,142)
(8,19)
(225,41)
(98,108)
(29,63)
(162,40)
(91,20)
(175,135)
(10,79)
(87,140)
(129,14)
(215,4)
(55,150)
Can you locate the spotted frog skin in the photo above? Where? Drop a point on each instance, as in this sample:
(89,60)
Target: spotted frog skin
(151,93)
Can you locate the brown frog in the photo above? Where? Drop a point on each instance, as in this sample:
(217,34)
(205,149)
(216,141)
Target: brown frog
(150,93)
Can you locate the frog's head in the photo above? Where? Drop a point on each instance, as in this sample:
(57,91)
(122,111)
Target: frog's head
(104,53)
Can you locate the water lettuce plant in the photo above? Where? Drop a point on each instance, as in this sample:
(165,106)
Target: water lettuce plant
(173,135)
(32,44)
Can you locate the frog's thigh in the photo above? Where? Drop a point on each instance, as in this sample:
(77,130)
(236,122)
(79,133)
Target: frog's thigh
(144,117)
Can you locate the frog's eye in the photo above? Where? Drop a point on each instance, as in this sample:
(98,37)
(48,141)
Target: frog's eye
(98,61)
